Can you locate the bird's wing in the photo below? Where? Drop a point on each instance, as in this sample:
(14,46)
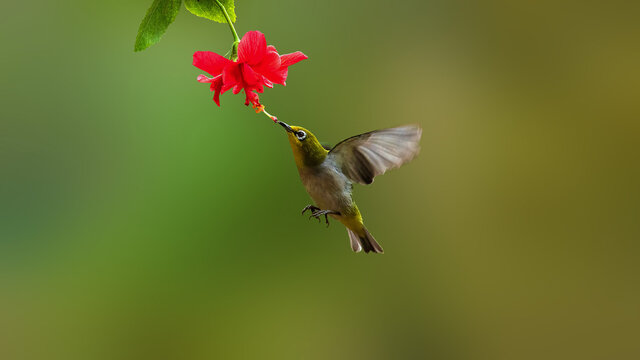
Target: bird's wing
(363,157)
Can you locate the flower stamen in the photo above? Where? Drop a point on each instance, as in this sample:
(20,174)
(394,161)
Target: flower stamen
(269,115)
(260,108)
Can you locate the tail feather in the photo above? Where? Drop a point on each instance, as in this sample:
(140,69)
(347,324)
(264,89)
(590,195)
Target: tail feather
(355,243)
(364,241)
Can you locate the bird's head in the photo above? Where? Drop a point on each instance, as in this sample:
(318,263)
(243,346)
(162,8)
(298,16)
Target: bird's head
(307,151)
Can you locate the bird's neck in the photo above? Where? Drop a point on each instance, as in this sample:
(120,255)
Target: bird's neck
(309,156)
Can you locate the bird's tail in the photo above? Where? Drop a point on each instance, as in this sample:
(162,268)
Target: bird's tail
(364,240)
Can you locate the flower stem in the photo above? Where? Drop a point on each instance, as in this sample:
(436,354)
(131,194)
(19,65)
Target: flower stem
(236,39)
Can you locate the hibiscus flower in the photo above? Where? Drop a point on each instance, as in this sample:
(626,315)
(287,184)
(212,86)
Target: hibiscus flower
(258,65)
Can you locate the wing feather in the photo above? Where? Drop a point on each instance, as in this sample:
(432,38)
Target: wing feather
(363,157)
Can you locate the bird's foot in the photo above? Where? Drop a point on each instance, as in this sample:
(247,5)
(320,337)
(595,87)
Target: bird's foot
(317,213)
(310,207)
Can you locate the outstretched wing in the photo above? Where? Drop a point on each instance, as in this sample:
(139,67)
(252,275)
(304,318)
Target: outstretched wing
(363,157)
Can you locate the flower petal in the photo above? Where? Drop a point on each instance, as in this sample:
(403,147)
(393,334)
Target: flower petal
(251,97)
(210,62)
(270,68)
(216,86)
(285,73)
(270,62)
(204,79)
(278,76)
(290,59)
(231,77)
(249,76)
(252,47)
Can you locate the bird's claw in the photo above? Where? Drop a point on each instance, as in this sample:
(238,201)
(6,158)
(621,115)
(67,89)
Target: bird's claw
(318,212)
(310,207)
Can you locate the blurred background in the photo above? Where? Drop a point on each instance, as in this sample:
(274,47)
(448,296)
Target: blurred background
(139,220)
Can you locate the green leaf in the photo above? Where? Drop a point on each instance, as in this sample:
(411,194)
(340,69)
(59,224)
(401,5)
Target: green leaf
(159,16)
(209,9)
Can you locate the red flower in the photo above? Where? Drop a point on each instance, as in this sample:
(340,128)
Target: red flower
(258,65)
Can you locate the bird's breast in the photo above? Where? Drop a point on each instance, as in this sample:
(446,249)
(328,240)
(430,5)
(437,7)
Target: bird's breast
(328,186)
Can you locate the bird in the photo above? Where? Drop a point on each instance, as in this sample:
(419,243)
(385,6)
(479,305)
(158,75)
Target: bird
(328,173)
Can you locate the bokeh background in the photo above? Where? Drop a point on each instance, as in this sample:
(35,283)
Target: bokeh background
(139,220)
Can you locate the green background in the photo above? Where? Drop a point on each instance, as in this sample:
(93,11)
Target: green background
(139,220)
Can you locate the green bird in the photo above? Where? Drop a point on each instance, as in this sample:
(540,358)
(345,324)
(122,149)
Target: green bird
(328,174)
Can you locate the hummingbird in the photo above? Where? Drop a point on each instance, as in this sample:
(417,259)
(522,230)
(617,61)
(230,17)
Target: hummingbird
(328,174)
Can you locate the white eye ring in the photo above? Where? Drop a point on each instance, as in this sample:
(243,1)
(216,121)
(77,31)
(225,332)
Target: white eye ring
(301,135)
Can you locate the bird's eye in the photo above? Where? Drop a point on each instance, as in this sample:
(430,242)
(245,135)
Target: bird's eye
(301,135)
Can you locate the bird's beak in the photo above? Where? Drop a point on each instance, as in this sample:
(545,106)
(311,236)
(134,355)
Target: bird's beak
(285,126)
